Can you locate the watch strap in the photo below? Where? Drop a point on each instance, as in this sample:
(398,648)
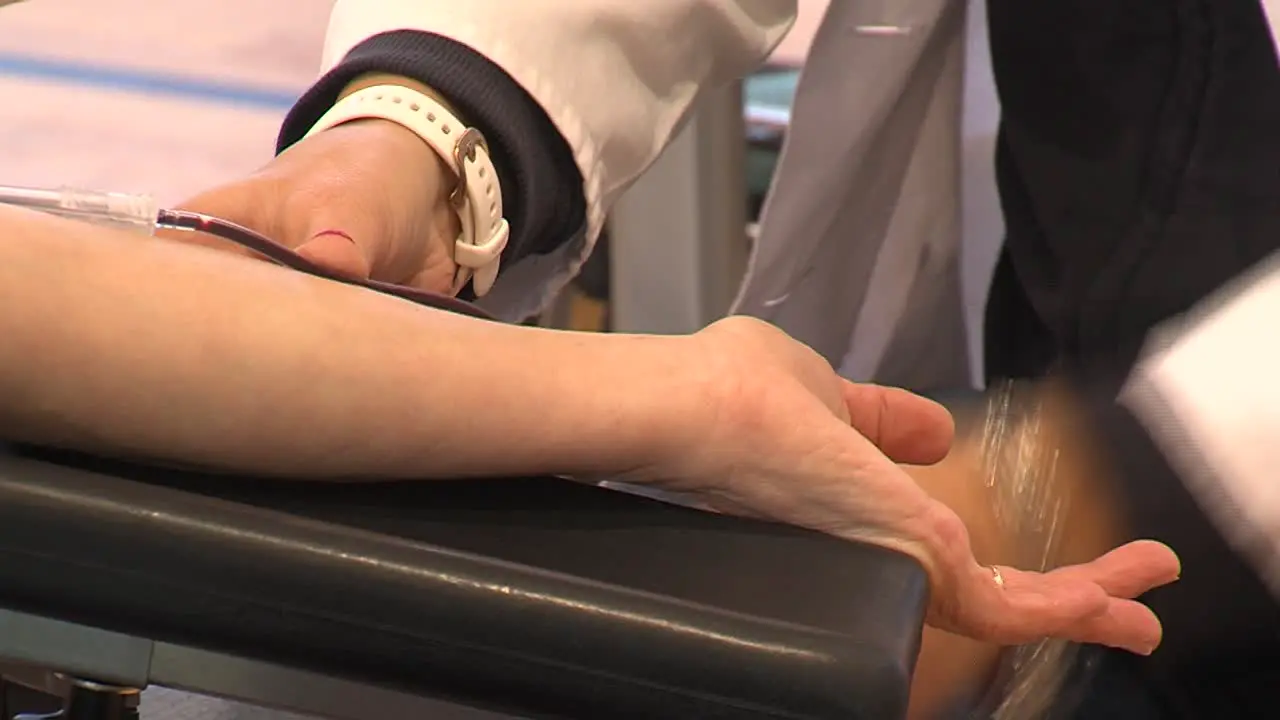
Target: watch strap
(477,197)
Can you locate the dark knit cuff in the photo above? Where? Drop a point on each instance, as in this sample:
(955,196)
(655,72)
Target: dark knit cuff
(541,185)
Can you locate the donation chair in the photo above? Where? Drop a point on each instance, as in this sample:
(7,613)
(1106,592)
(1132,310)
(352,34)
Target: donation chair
(525,597)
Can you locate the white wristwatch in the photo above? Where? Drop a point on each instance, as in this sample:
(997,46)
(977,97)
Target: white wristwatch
(477,198)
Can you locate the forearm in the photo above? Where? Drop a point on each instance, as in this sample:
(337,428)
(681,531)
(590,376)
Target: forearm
(123,345)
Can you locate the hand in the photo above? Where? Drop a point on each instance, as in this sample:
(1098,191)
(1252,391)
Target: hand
(792,442)
(367,198)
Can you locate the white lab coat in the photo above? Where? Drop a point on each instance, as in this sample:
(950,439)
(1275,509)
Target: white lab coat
(860,238)
(859,251)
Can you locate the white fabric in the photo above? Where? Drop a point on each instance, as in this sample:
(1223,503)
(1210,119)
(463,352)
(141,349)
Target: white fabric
(1208,392)
(862,237)
(859,250)
(617,77)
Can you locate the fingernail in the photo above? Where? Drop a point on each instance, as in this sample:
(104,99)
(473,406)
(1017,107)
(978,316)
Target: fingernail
(337,233)
(1147,648)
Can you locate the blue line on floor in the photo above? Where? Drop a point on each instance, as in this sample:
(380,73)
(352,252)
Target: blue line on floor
(143,81)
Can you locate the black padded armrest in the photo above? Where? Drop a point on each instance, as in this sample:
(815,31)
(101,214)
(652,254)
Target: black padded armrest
(534,596)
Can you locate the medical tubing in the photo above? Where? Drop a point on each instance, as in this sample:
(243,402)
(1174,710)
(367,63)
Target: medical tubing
(140,214)
(134,212)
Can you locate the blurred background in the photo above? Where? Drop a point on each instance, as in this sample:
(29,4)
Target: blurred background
(161,97)
(115,94)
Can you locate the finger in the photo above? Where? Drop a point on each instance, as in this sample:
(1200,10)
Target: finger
(1130,570)
(906,427)
(338,251)
(1125,624)
(330,227)
(1028,606)
(358,241)
(1064,604)
(1117,622)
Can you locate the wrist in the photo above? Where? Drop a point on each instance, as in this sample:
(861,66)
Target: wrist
(657,399)
(475,193)
(369,80)
(415,149)
(591,405)
(407,146)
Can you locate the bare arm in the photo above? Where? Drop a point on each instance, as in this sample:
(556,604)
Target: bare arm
(171,352)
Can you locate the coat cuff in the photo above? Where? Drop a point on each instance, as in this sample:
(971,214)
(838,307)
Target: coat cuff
(541,185)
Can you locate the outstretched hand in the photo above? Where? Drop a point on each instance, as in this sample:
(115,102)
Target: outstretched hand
(1091,602)
(788,440)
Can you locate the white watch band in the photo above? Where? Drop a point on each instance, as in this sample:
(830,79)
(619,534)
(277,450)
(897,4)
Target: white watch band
(478,196)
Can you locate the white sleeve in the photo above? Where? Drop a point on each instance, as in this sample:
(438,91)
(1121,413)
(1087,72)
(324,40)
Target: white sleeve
(1208,392)
(617,77)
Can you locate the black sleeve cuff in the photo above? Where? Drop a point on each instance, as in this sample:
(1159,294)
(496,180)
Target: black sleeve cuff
(541,185)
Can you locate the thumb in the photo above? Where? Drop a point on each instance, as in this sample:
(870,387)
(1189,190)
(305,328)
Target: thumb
(905,426)
(337,250)
(355,236)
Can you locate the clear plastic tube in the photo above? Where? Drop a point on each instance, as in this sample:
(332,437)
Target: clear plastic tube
(140,214)
(137,213)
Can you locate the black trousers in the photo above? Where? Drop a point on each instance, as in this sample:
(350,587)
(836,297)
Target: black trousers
(1138,164)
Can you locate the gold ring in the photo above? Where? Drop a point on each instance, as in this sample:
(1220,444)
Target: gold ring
(997,576)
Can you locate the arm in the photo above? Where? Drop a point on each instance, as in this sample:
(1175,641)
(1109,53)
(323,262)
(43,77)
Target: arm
(532,75)
(166,351)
